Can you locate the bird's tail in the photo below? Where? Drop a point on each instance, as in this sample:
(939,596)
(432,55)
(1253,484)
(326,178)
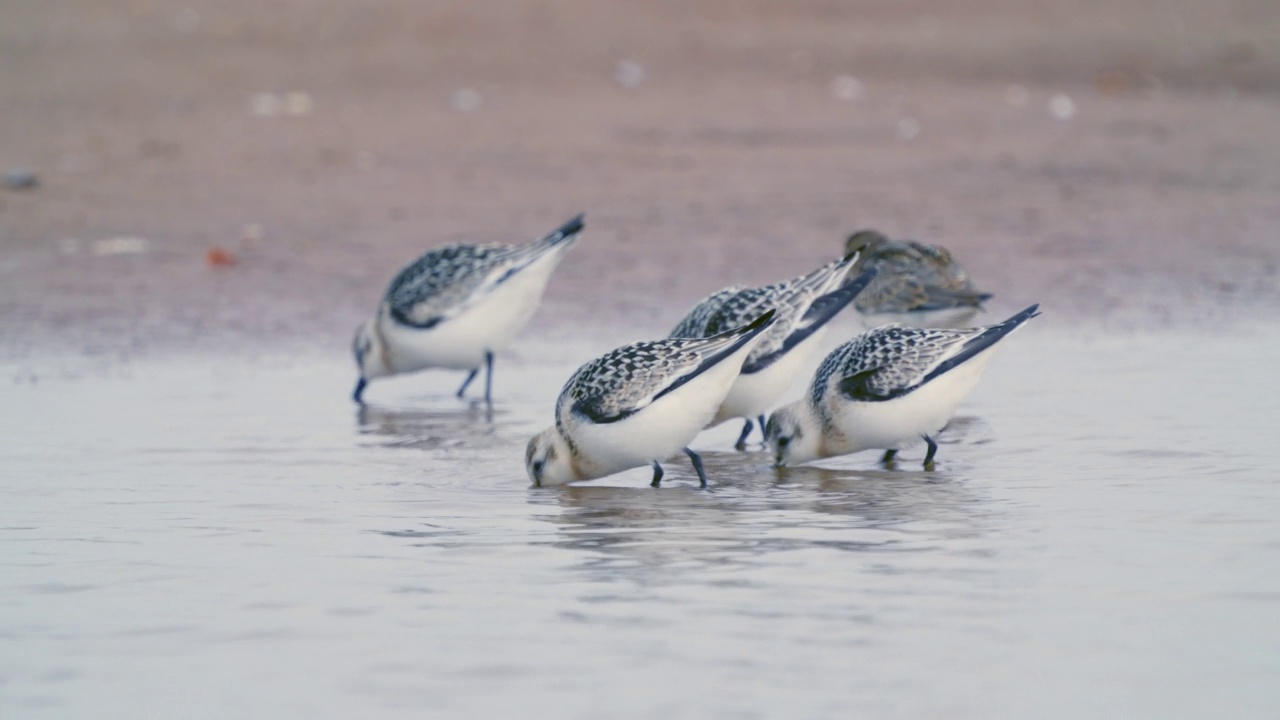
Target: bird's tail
(522,256)
(720,347)
(988,336)
(750,330)
(730,341)
(828,277)
(565,232)
(823,309)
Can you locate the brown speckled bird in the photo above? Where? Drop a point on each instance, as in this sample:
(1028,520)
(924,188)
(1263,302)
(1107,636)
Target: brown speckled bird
(916,284)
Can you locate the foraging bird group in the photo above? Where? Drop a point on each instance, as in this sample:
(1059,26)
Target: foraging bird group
(734,355)
(804,305)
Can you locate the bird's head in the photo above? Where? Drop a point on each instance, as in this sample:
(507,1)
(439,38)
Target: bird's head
(369,355)
(549,460)
(791,436)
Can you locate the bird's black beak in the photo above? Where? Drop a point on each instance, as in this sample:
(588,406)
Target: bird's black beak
(358,393)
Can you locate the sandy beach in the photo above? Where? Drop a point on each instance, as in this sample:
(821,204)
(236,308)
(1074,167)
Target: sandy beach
(1117,162)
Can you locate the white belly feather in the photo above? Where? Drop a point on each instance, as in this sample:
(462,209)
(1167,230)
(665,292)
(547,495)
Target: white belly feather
(758,393)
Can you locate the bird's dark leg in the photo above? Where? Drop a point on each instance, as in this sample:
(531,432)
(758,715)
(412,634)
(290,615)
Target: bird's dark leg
(761,420)
(742,439)
(887,458)
(657,475)
(470,376)
(696,459)
(933,449)
(488,378)
(358,393)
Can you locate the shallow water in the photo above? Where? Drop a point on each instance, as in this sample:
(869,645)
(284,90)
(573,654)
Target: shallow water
(194,538)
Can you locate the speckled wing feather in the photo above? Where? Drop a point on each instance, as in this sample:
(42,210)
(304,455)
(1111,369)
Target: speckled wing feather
(816,315)
(694,325)
(626,380)
(940,266)
(914,276)
(440,282)
(445,281)
(891,361)
(734,307)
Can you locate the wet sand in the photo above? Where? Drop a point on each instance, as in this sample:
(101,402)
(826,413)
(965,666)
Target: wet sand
(732,160)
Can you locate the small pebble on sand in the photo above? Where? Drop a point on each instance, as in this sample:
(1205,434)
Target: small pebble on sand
(1062,107)
(847,88)
(265,104)
(465,100)
(21,179)
(122,245)
(628,74)
(219,257)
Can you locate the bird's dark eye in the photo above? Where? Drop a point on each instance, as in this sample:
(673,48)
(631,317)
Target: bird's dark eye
(537,467)
(782,441)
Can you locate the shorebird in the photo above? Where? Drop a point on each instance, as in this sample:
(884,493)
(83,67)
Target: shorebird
(889,387)
(919,285)
(456,306)
(804,305)
(639,405)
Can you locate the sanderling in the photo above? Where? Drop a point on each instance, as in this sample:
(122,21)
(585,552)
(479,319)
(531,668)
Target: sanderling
(889,387)
(919,285)
(456,306)
(638,405)
(804,305)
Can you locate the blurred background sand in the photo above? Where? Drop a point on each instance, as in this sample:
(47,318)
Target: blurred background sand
(1117,161)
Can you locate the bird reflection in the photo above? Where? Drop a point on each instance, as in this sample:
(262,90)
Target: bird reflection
(967,430)
(754,511)
(473,424)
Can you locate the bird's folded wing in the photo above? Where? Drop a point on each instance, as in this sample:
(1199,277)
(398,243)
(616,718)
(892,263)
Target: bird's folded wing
(891,361)
(446,281)
(625,381)
(809,316)
(443,282)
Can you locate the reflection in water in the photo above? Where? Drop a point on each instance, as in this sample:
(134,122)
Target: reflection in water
(754,510)
(966,429)
(159,530)
(420,429)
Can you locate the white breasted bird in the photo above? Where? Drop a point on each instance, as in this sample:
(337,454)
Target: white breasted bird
(639,405)
(804,305)
(456,306)
(918,285)
(888,388)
